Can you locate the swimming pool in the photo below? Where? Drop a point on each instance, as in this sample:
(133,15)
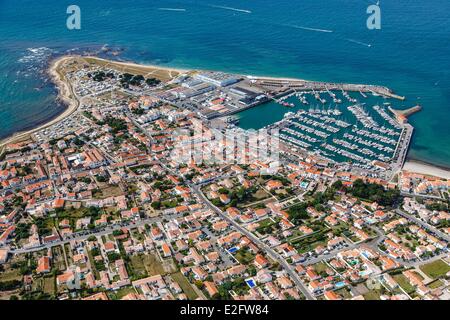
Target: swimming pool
(233,250)
(250,282)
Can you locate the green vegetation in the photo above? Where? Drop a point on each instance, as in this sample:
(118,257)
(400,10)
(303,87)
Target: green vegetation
(156,205)
(404,283)
(435,269)
(241,197)
(101,178)
(113,256)
(238,285)
(144,265)
(244,256)
(10,285)
(374,192)
(120,293)
(22,231)
(89,115)
(44,226)
(435,284)
(138,111)
(310,242)
(100,76)
(321,268)
(373,294)
(187,288)
(266,226)
(116,124)
(128,79)
(152,82)
(298,212)
(117,233)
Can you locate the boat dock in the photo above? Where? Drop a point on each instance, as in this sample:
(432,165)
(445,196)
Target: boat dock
(292,84)
(402,115)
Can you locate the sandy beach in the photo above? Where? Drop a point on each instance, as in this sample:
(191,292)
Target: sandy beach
(179,70)
(427,169)
(65,93)
(135,65)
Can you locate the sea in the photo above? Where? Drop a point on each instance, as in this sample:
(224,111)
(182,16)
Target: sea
(325,40)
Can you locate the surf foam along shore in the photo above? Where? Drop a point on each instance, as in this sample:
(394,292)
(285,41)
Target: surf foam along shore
(65,94)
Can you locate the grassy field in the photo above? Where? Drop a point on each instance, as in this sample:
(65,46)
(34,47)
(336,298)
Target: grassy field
(244,256)
(48,285)
(10,275)
(110,191)
(404,283)
(122,292)
(261,194)
(58,258)
(372,295)
(68,252)
(320,267)
(435,284)
(94,270)
(146,265)
(266,222)
(152,71)
(185,285)
(435,269)
(344,293)
(310,242)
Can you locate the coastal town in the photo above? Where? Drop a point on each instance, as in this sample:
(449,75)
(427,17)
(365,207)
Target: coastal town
(138,192)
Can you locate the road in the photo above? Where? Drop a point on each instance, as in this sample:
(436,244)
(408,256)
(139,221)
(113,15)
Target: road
(274,255)
(85,235)
(373,244)
(422,262)
(424,225)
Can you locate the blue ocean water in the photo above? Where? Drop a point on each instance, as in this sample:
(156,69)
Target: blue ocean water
(410,54)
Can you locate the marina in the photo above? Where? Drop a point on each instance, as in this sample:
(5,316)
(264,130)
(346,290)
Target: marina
(340,126)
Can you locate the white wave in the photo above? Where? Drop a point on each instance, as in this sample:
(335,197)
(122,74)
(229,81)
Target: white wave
(34,55)
(360,43)
(231,8)
(104,13)
(172,9)
(312,29)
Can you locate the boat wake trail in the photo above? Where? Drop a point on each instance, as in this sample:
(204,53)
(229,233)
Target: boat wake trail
(172,9)
(311,29)
(231,9)
(104,13)
(359,42)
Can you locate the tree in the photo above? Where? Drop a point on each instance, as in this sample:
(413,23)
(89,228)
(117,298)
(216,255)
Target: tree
(337,185)
(375,192)
(298,212)
(152,82)
(101,178)
(113,256)
(138,111)
(199,284)
(116,124)
(117,233)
